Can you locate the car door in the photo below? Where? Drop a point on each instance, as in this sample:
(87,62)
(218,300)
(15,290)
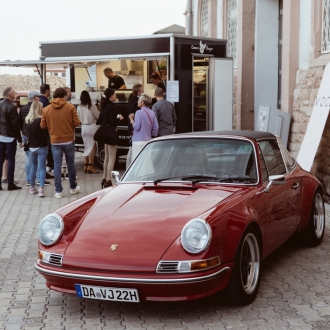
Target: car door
(296,188)
(280,212)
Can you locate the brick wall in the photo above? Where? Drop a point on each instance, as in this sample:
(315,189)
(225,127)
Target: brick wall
(307,86)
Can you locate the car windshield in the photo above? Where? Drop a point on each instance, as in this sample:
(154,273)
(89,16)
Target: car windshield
(195,159)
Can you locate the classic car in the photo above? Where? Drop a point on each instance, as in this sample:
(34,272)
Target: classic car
(195,214)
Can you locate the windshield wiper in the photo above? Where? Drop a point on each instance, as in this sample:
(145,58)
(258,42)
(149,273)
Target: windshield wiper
(165,179)
(233,179)
(193,177)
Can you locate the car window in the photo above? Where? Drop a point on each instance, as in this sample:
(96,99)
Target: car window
(218,158)
(23,100)
(264,173)
(273,157)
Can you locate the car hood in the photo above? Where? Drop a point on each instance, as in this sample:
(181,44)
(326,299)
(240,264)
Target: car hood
(142,221)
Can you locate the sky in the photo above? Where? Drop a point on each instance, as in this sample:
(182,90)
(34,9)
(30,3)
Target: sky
(26,22)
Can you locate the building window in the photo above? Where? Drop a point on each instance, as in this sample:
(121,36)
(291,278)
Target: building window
(204,19)
(232,31)
(325,26)
(63,74)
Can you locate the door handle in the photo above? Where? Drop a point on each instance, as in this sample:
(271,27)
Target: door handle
(295,185)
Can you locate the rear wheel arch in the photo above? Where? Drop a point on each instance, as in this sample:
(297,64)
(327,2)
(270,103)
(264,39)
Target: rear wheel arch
(312,234)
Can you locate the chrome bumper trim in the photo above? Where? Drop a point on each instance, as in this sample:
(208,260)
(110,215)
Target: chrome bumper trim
(130,280)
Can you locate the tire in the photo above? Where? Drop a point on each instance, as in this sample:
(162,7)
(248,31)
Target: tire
(99,160)
(244,283)
(116,162)
(313,234)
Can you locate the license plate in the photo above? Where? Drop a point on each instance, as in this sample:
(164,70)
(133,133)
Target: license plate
(106,293)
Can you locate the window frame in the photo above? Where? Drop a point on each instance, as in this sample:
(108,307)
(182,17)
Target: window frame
(325,25)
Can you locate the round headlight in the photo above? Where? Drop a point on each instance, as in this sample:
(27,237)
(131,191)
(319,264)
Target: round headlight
(196,236)
(50,229)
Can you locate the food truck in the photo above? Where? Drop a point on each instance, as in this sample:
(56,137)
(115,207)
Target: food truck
(195,70)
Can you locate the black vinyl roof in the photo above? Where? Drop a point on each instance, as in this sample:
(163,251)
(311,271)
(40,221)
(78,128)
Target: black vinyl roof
(255,135)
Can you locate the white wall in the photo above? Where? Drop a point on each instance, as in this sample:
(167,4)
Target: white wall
(220,19)
(266,54)
(195,16)
(305,33)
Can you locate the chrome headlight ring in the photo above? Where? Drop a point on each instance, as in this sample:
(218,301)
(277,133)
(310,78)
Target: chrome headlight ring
(50,229)
(196,236)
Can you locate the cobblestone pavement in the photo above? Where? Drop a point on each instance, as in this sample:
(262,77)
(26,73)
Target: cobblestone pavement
(294,291)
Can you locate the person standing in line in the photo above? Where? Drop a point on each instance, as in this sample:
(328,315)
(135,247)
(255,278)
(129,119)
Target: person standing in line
(44,95)
(110,116)
(9,135)
(144,123)
(115,82)
(68,94)
(38,147)
(165,113)
(44,99)
(132,107)
(60,118)
(88,115)
(32,96)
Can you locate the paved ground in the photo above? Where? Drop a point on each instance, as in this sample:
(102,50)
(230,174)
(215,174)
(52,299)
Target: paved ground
(294,292)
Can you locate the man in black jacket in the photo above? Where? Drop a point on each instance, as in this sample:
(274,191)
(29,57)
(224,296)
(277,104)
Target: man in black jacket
(45,93)
(9,134)
(44,99)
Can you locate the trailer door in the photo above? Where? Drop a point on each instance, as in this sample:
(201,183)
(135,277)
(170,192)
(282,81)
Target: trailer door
(221,94)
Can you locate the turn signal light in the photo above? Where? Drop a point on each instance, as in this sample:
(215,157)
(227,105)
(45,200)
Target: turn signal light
(204,264)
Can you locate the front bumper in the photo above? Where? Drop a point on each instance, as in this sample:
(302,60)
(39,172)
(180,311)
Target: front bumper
(158,287)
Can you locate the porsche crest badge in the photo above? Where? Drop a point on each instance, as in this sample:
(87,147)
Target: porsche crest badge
(113,247)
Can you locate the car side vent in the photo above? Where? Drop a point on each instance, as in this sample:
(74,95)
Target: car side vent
(167,267)
(56,259)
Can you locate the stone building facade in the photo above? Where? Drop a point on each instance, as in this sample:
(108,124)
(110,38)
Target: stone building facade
(280,49)
(29,82)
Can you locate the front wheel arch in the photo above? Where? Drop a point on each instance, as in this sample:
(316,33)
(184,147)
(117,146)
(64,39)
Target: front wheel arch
(245,279)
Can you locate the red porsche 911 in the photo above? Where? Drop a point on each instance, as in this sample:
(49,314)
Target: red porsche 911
(195,214)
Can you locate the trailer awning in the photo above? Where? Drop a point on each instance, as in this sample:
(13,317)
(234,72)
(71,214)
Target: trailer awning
(80,61)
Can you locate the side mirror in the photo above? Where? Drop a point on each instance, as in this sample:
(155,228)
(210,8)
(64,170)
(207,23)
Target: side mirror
(275,180)
(115,178)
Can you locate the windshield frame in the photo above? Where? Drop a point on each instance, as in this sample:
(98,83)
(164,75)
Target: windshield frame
(227,137)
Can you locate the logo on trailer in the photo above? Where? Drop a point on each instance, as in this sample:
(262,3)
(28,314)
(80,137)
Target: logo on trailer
(202,47)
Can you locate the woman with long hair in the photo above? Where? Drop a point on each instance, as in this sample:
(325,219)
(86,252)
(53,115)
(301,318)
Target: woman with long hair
(110,116)
(88,115)
(38,146)
(132,107)
(145,124)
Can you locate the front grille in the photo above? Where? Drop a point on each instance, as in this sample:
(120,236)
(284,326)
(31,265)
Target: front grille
(167,267)
(56,259)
